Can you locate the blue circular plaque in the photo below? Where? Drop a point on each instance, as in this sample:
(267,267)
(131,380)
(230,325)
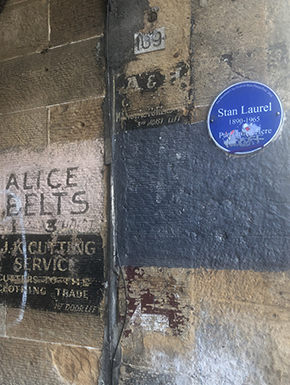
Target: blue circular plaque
(245,117)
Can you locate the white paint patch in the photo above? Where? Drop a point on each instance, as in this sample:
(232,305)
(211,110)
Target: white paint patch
(61,189)
(216,367)
(222,353)
(228,354)
(149,322)
(211,367)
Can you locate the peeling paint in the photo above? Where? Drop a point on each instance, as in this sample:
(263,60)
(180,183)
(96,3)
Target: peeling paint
(147,304)
(149,322)
(235,327)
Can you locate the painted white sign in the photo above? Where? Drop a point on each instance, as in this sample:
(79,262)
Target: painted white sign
(59,190)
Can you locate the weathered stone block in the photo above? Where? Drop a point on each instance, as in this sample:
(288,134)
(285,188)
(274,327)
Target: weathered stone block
(12,2)
(278,48)
(75,329)
(76,20)
(213,73)
(42,364)
(78,366)
(27,128)
(76,121)
(229,46)
(231,327)
(24,28)
(73,72)
(268,291)
(2,321)
(32,363)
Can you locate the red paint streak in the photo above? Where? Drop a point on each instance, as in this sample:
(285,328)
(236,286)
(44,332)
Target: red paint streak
(133,272)
(126,333)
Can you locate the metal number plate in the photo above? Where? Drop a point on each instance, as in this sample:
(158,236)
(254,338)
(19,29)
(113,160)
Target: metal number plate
(148,42)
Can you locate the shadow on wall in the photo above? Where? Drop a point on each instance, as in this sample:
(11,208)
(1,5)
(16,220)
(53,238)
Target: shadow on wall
(2,4)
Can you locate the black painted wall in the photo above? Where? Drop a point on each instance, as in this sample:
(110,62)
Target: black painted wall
(183,202)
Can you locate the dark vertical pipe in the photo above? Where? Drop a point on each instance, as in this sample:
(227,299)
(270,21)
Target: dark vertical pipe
(111,356)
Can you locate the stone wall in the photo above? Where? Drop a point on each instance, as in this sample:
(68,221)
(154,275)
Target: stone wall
(53,228)
(202,235)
